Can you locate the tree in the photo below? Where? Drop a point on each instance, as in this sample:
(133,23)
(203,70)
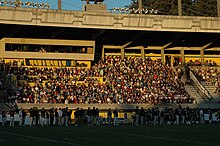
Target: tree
(189,7)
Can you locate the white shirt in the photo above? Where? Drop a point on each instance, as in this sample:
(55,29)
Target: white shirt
(60,113)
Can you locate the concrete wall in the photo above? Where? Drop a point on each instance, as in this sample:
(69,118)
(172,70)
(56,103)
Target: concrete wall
(47,55)
(102,20)
(39,55)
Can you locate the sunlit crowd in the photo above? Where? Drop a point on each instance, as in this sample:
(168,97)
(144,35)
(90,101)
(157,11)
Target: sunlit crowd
(128,80)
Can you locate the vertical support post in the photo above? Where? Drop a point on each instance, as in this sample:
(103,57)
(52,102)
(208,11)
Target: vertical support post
(103,52)
(140,6)
(202,56)
(122,52)
(162,55)
(182,56)
(171,60)
(142,53)
(180,8)
(59,5)
(218,7)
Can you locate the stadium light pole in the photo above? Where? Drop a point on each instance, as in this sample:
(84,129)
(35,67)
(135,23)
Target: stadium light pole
(59,5)
(180,8)
(140,6)
(218,7)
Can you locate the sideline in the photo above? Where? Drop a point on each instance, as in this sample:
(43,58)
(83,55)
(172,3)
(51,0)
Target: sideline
(38,138)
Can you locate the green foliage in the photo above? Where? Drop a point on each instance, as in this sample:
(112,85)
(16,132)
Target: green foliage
(189,7)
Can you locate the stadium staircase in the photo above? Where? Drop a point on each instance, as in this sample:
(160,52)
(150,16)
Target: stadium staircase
(192,90)
(211,90)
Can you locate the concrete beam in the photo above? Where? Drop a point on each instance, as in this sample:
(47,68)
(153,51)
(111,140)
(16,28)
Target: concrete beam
(185,48)
(111,47)
(132,48)
(134,38)
(207,45)
(97,20)
(213,49)
(95,36)
(154,47)
(174,40)
(57,32)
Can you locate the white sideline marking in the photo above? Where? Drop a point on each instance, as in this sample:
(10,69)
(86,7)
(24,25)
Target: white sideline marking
(157,137)
(38,138)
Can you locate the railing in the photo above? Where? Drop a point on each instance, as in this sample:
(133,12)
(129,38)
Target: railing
(200,86)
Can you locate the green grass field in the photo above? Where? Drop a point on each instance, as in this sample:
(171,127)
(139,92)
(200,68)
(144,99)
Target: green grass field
(128,135)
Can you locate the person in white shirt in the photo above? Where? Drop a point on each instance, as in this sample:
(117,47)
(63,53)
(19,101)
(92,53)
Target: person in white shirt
(201,115)
(21,117)
(60,114)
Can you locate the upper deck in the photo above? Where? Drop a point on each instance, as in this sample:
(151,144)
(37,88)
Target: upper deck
(107,20)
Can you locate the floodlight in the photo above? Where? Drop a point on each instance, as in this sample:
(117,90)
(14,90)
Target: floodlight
(37,5)
(32,4)
(42,5)
(5,2)
(27,4)
(146,11)
(47,5)
(151,11)
(14,3)
(10,2)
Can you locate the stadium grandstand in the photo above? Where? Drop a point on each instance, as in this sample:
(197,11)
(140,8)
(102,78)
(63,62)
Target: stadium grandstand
(97,58)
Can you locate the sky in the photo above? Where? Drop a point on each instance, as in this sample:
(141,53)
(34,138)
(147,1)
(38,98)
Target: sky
(77,4)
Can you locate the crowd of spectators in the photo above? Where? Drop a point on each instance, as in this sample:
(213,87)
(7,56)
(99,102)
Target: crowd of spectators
(128,80)
(198,63)
(7,92)
(210,75)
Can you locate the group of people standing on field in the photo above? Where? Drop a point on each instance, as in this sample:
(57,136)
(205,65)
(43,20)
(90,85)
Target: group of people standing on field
(91,117)
(168,116)
(61,116)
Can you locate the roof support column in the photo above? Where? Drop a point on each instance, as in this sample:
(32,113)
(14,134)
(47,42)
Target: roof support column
(218,7)
(180,7)
(103,51)
(142,52)
(122,52)
(202,56)
(162,55)
(182,56)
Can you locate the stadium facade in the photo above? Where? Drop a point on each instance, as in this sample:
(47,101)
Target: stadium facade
(91,35)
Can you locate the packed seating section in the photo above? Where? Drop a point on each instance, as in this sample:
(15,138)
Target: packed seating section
(210,75)
(112,80)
